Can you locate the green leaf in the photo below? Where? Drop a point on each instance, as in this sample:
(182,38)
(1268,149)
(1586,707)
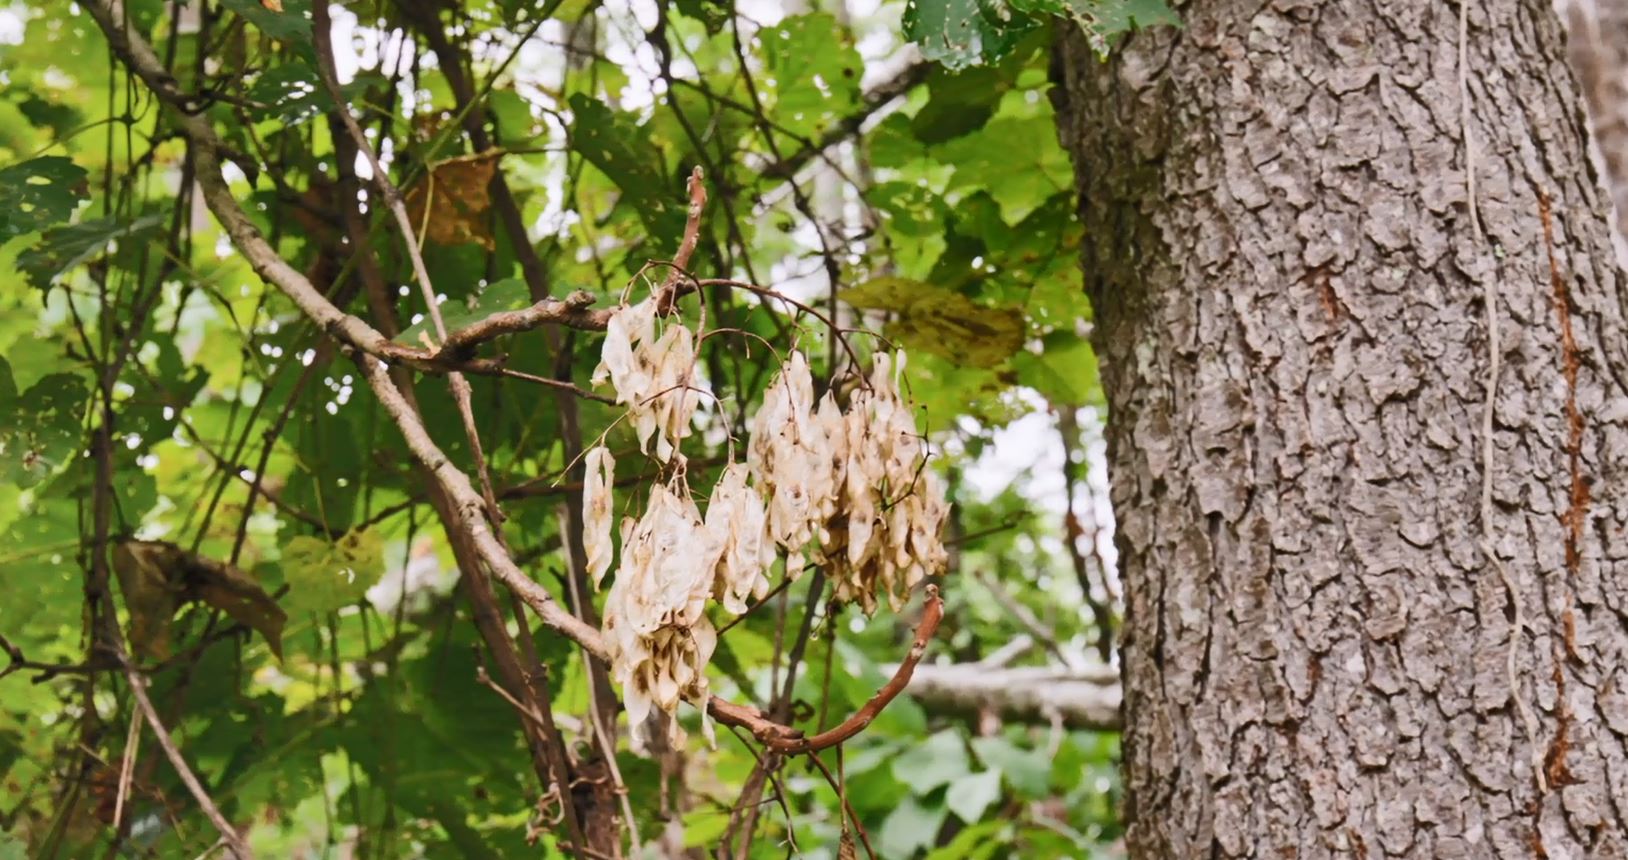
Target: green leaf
(323,576)
(54,115)
(1106,20)
(293,23)
(970,795)
(979,841)
(816,71)
(938,760)
(12,848)
(509,294)
(38,193)
(1026,769)
(712,14)
(40,429)
(910,826)
(292,92)
(961,33)
(941,321)
(609,141)
(958,103)
(1065,373)
(66,248)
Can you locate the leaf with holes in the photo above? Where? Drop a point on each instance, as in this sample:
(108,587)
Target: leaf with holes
(961,33)
(288,20)
(40,428)
(38,193)
(509,294)
(64,249)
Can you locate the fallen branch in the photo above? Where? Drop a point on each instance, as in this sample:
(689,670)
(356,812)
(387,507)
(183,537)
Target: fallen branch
(1081,698)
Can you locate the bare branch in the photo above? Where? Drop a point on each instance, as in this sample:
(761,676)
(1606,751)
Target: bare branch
(790,741)
(138,686)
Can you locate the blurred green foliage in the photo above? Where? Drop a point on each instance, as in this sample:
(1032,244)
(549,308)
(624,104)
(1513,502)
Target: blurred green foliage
(942,213)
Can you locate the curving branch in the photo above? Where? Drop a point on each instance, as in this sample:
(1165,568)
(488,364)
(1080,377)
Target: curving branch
(787,740)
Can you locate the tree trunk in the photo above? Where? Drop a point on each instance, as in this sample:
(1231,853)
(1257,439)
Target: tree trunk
(1291,302)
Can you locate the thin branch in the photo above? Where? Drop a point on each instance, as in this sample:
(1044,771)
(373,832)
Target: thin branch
(864,838)
(138,687)
(790,741)
(18,662)
(138,55)
(686,246)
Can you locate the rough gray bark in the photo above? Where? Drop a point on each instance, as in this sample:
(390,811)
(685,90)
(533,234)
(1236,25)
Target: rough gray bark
(1290,302)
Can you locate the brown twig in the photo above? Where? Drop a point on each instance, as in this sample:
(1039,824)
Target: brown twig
(138,687)
(864,838)
(686,246)
(18,662)
(790,741)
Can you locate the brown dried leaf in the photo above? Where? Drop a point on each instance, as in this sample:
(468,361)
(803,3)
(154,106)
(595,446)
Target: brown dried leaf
(157,577)
(149,576)
(458,201)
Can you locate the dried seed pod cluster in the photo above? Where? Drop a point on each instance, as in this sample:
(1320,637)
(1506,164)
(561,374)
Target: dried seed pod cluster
(885,536)
(655,613)
(654,377)
(848,488)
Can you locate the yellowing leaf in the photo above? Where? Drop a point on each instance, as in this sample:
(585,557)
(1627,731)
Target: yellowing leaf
(455,193)
(941,321)
(323,576)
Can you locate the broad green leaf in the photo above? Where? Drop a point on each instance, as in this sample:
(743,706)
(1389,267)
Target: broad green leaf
(958,103)
(290,22)
(912,825)
(292,92)
(1065,373)
(46,113)
(968,796)
(940,321)
(1022,151)
(323,576)
(936,761)
(1104,20)
(66,248)
(961,33)
(816,71)
(12,848)
(713,14)
(509,294)
(611,142)
(1027,770)
(980,841)
(40,429)
(38,193)
(703,827)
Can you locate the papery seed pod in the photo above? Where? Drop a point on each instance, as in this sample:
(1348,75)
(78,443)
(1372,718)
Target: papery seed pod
(737,519)
(655,612)
(599,469)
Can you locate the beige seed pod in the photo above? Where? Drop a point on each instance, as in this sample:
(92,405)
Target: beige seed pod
(600,471)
